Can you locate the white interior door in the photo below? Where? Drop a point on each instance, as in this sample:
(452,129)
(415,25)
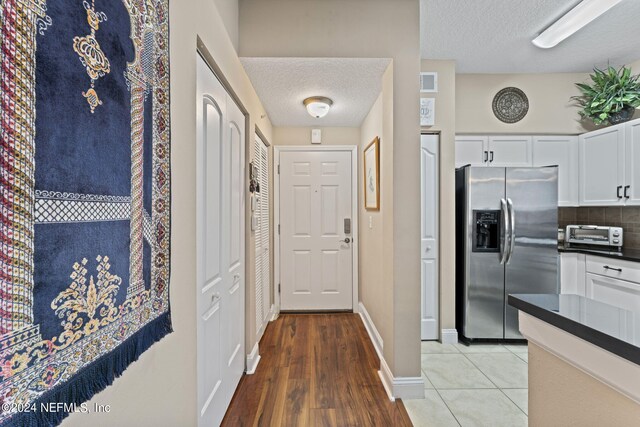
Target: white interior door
(220,252)
(262,219)
(429,236)
(316,259)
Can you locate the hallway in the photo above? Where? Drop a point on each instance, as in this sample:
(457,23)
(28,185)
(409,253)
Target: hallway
(315,369)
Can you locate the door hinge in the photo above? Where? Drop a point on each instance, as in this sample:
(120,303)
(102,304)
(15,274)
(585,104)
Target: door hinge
(278,287)
(278,169)
(278,229)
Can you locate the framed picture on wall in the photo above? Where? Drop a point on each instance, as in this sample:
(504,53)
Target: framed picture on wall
(372,175)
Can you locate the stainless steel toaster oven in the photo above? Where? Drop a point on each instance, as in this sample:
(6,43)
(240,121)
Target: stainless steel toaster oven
(594,235)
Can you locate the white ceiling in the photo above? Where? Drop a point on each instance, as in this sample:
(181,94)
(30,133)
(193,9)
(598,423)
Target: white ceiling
(494,36)
(283,83)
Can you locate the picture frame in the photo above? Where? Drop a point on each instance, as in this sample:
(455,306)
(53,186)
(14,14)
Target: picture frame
(371,161)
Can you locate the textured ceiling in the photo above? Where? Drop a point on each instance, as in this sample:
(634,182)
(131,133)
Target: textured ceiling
(494,36)
(283,83)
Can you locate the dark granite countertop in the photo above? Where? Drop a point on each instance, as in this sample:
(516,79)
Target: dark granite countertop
(611,328)
(625,254)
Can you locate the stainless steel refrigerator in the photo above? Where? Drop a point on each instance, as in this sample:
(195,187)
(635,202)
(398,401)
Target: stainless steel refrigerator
(506,242)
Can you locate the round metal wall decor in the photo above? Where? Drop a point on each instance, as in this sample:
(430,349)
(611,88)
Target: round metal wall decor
(510,105)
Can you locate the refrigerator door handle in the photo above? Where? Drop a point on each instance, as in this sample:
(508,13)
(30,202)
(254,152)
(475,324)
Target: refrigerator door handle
(512,230)
(504,248)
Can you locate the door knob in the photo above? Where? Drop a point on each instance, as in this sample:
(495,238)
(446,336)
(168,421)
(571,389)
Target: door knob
(346,240)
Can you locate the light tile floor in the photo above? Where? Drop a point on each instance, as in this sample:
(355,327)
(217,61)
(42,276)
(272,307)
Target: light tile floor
(476,385)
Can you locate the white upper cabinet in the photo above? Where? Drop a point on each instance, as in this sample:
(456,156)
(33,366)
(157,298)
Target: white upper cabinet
(602,167)
(508,151)
(500,151)
(561,151)
(631,191)
(472,150)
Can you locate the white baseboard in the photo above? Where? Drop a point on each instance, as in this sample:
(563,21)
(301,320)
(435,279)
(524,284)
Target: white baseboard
(387,378)
(400,387)
(449,336)
(396,387)
(273,313)
(253,359)
(376,338)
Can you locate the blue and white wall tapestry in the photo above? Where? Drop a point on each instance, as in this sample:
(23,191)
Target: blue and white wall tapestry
(85,197)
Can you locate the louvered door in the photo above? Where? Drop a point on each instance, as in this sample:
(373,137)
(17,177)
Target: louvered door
(263,254)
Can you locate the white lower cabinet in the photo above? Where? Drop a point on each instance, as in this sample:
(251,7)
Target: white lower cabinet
(619,293)
(611,281)
(572,273)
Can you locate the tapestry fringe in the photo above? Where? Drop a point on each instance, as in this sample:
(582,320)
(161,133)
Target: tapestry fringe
(94,377)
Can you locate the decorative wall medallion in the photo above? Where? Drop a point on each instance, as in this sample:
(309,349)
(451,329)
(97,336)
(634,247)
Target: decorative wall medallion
(510,105)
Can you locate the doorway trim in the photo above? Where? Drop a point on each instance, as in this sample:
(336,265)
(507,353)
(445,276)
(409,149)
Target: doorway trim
(353,149)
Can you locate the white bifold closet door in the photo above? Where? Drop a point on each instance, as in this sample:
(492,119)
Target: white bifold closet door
(220,235)
(429,323)
(263,254)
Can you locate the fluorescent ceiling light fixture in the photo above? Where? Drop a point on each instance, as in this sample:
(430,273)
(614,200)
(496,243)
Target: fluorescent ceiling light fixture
(317,106)
(585,12)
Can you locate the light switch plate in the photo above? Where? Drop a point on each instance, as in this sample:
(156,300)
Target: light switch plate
(316,136)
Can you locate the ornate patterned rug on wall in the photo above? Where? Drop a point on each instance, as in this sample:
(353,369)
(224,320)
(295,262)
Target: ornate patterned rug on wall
(85,203)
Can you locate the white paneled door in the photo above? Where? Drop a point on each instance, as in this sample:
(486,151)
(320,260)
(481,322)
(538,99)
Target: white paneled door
(316,244)
(429,236)
(220,246)
(262,219)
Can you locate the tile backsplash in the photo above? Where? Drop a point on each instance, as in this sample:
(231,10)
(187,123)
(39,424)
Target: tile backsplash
(627,217)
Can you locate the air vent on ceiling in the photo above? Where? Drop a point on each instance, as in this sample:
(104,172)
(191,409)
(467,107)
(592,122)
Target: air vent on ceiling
(428,82)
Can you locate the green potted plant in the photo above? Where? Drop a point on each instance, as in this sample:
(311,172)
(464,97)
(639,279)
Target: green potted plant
(612,98)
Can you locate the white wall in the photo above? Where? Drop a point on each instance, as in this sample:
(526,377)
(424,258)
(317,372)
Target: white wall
(160,388)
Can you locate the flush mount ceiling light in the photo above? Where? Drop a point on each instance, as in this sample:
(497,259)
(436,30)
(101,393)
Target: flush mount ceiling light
(585,12)
(317,106)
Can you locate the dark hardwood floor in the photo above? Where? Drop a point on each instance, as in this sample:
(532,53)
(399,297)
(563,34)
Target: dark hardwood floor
(315,370)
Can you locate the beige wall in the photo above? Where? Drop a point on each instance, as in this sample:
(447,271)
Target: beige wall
(562,395)
(302,135)
(373,286)
(550,109)
(160,388)
(379,29)
(228,10)
(445,123)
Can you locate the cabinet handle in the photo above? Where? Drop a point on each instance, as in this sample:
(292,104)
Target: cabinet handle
(626,188)
(618,191)
(619,270)
(486,156)
(491,158)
